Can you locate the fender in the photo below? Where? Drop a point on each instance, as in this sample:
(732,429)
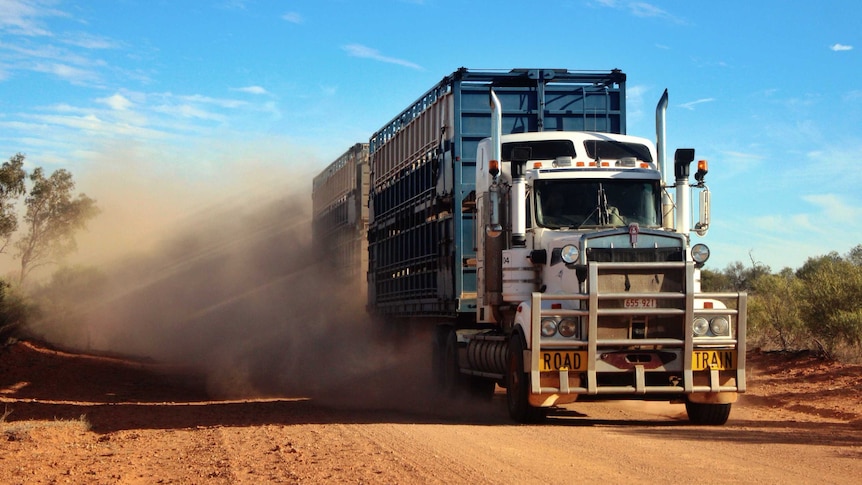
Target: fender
(523,322)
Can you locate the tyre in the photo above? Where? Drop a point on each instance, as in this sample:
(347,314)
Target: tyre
(518,385)
(451,383)
(707,414)
(482,389)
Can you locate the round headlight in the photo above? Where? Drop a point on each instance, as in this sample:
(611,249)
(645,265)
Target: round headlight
(719,326)
(568,327)
(549,327)
(700,326)
(569,253)
(699,253)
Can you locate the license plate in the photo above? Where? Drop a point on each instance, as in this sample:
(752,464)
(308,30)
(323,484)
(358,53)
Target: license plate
(713,359)
(551,360)
(639,303)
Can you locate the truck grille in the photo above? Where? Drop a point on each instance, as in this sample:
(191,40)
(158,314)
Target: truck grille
(634,255)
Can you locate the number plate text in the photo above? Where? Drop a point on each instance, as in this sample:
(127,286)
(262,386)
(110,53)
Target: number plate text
(551,360)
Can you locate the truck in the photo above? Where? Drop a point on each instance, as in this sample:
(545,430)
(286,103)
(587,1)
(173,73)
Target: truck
(550,251)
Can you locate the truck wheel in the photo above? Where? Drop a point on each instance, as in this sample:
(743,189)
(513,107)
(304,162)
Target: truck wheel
(482,389)
(518,385)
(708,414)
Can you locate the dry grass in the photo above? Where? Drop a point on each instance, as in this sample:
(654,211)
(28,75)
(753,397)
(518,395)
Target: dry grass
(21,430)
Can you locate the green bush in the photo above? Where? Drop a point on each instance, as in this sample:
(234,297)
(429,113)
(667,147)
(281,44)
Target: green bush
(774,315)
(830,296)
(815,307)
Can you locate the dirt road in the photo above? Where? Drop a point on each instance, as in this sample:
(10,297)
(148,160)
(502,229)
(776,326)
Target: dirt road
(79,419)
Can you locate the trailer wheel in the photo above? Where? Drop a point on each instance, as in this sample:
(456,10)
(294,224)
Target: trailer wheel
(707,414)
(518,385)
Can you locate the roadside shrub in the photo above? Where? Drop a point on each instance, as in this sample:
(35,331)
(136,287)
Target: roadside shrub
(774,314)
(830,296)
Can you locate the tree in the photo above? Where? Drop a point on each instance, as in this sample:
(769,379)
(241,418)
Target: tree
(735,277)
(12,177)
(774,312)
(814,265)
(855,255)
(52,218)
(830,301)
(715,280)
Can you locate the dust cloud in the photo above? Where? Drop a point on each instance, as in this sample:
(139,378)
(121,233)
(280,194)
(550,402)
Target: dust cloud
(225,280)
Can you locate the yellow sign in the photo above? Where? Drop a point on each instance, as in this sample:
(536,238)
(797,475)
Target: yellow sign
(713,359)
(554,360)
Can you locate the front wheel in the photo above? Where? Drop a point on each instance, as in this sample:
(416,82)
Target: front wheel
(518,385)
(707,414)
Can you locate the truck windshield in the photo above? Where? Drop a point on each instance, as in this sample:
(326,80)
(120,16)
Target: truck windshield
(574,204)
(615,150)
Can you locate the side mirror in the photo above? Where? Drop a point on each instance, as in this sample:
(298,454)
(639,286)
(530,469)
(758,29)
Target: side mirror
(702,225)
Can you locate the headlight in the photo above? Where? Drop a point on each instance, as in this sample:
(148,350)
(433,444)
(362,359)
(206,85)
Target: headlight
(700,327)
(719,326)
(568,327)
(699,253)
(569,253)
(549,327)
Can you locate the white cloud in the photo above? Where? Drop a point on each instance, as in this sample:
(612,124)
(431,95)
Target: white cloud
(200,99)
(252,90)
(691,104)
(89,41)
(188,111)
(841,47)
(833,210)
(22,17)
(293,17)
(116,102)
(73,74)
(640,9)
(359,50)
(233,4)
(743,155)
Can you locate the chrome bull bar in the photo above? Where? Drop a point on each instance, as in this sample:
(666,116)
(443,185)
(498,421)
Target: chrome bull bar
(592,344)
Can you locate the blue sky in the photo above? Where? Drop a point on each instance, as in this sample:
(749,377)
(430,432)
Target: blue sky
(770,92)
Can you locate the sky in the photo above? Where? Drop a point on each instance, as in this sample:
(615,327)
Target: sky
(769,92)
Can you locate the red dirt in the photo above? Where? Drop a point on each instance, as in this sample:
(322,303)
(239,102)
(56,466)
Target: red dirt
(73,418)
